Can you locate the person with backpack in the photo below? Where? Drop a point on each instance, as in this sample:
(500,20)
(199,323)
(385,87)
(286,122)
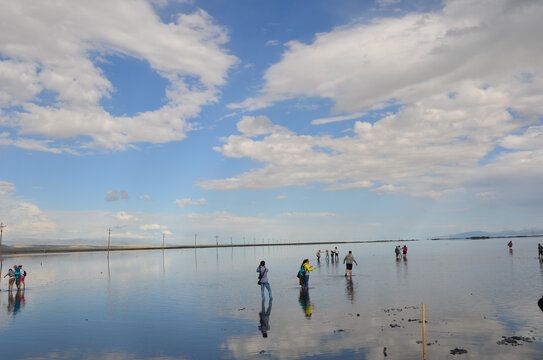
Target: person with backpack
(303,273)
(17,272)
(262,271)
(23,276)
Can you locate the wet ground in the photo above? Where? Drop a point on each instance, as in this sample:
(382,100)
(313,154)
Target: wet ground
(481,302)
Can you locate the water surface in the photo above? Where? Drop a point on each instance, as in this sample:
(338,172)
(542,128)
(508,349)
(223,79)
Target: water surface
(205,303)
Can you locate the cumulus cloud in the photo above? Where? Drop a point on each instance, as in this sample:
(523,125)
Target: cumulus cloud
(112,195)
(467,80)
(145,197)
(45,50)
(187,201)
(362,66)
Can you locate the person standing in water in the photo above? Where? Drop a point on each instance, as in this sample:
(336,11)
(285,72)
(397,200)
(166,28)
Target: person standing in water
(349,259)
(23,276)
(397,251)
(404,250)
(18,274)
(304,273)
(510,244)
(11,275)
(318,256)
(540,250)
(262,271)
(336,253)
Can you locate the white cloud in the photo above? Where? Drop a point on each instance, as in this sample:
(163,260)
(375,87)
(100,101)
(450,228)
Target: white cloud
(187,201)
(332,119)
(273,43)
(147,227)
(408,58)
(124,216)
(22,217)
(145,197)
(468,80)
(44,49)
(6,188)
(281,197)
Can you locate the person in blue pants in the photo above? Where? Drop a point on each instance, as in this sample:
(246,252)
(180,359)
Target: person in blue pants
(262,271)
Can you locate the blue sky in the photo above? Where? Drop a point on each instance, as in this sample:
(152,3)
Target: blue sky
(324,120)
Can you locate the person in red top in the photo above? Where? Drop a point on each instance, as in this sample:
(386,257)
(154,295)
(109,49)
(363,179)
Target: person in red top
(404,250)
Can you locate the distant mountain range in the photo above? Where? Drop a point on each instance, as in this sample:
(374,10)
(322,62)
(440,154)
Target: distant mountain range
(493,234)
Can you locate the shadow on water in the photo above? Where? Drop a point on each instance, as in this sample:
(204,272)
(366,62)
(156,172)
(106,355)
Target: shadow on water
(264,316)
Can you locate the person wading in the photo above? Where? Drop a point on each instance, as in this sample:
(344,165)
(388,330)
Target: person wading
(262,271)
(349,259)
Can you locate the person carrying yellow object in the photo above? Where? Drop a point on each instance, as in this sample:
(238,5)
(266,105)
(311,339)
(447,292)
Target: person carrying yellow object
(303,274)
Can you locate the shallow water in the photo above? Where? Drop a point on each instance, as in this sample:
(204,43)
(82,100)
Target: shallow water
(205,304)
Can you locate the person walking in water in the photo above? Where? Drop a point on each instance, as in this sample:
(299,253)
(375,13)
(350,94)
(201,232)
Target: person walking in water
(349,259)
(336,253)
(23,276)
(397,251)
(303,274)
(404,250)
(18,274)
(11,275)
(318,256)
(510,244)
(262,271)
(540,250)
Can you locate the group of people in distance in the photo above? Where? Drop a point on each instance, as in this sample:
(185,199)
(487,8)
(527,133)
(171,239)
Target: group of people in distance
(402,250)
(16,276)
(330,254)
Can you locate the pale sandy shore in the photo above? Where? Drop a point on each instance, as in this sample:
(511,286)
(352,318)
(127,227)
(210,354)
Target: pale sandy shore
(46,249)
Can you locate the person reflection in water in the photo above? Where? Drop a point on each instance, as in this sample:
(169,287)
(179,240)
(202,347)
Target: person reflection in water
(16,304)
(349,289)
(305,302)
(264,315)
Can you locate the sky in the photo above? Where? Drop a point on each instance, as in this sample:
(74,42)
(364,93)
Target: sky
(267,121)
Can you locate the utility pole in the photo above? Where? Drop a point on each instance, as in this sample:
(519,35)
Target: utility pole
(217,240)
(163,240)
(2,226)
(108,239)
(195,236)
